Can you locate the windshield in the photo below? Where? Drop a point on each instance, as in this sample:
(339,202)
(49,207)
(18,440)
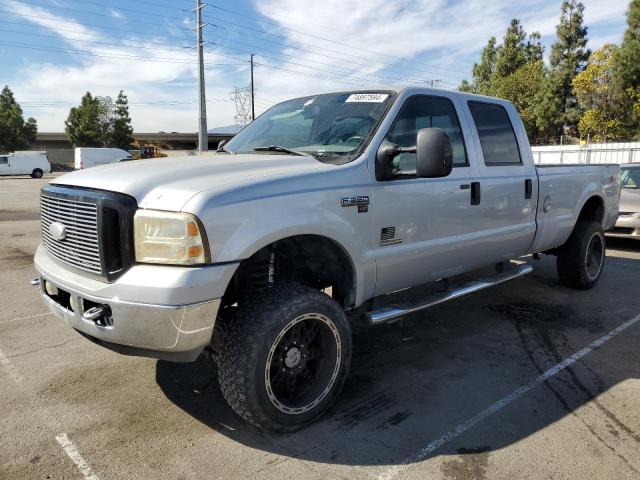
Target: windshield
(630,177)
(333,126)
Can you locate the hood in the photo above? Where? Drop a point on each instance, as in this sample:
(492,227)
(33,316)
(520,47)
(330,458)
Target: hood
(168,183)
(630,200)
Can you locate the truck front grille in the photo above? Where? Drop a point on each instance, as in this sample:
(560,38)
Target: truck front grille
(79,245)
(89,230)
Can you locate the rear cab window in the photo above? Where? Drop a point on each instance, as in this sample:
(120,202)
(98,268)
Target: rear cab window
(497,136)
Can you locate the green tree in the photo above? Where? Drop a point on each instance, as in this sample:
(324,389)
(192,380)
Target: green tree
(90,124)
(500,61)
(522,89)
(595,90)
(483,71)
(515,51)
(122,131)
(626,70)
(15,133)
(558,105)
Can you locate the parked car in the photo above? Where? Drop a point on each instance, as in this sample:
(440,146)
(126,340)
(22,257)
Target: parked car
(35,164)
(321,211)
(628,224)
(86,157)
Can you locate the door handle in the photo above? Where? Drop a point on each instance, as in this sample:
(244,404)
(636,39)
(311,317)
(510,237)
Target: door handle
(528,188)
(465,186)
(476,193)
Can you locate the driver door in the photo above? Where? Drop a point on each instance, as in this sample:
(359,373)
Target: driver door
(427,228)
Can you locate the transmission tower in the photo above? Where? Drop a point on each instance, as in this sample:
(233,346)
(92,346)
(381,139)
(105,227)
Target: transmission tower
(242,98)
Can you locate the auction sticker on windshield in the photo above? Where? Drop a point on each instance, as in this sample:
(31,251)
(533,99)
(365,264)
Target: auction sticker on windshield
(367,97)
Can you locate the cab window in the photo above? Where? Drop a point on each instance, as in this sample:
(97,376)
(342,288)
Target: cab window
(497,138)
(419,112)
(4,160)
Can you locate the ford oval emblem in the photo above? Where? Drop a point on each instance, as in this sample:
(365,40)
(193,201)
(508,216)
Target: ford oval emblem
(57,231)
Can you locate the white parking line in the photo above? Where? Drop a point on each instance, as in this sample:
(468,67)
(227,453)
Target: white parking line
(72,452)
(9,368)
(25,318)
(500,404)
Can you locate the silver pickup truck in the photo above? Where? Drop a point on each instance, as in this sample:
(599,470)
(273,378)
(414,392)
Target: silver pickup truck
(321,213)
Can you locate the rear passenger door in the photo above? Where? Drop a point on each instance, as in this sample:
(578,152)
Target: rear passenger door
(508,182)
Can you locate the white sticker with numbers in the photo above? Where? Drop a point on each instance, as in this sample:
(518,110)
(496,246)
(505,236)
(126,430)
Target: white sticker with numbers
(367,98)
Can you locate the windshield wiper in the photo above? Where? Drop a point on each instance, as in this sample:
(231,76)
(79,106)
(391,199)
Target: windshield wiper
(279,148)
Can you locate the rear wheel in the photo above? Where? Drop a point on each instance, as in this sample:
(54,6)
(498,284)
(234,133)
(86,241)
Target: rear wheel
(581,259)
(286,358)
(37,173)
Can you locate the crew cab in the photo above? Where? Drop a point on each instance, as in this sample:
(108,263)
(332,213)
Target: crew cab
(322,212)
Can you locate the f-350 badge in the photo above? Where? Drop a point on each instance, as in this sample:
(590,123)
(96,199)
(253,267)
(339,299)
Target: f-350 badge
(360,201)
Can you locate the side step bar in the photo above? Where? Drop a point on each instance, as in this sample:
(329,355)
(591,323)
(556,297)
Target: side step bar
(394,312)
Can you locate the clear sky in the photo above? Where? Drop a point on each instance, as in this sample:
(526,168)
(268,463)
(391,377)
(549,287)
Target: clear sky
(53,51)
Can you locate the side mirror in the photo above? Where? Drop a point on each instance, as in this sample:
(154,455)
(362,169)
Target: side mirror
(220,145)
(434,155)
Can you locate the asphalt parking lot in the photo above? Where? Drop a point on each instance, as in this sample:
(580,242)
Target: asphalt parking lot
(526,380)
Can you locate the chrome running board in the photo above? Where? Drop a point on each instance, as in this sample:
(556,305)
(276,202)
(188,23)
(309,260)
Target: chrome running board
(393,312)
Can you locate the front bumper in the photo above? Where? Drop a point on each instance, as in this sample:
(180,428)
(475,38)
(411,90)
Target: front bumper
(155,311)
(627,226)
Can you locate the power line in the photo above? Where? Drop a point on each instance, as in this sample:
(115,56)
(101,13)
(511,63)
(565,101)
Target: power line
(108,15)
(179,49)
(387,78)
(85,33)
(101,55)
(378,77)
(342,58)
(318,37)
(92,25)
(314,74)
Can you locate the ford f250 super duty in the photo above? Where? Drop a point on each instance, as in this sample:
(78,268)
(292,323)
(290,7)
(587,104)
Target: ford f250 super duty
(320,213)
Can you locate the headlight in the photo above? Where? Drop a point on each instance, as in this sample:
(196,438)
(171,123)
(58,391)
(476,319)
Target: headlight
(169,238)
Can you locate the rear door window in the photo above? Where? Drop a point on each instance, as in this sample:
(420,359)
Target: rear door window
(497,137)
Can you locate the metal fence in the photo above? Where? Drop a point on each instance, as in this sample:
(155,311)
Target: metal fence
(587,153)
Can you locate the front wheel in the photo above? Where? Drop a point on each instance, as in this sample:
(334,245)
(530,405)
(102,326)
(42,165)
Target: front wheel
(286,358)
(581,259)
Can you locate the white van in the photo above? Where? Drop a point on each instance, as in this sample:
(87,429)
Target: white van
(35,164)
(90,157)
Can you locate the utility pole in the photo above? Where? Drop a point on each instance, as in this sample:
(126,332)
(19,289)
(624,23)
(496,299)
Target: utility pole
(203,136)
(253,95)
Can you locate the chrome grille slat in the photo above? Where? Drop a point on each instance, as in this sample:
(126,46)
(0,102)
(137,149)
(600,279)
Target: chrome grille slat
(77,247)
(80,220)
(80,247)
(62,204)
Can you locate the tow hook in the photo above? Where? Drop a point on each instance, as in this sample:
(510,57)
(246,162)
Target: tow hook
(93,313)
(35,282)
(100,315)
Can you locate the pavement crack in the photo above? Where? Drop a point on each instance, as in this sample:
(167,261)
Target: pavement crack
(28,352)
